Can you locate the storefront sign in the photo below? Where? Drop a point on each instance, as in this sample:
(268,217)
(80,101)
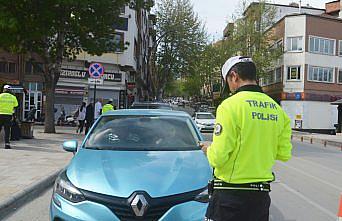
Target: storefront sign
(68,91)
(93,81)
(83,74)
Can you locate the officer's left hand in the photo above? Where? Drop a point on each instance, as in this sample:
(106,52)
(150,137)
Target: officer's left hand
(204,146)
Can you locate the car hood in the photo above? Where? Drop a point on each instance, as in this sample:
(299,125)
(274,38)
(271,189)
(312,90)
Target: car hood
(120,173)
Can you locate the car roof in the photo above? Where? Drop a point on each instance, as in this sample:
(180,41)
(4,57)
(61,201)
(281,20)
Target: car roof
(158,112)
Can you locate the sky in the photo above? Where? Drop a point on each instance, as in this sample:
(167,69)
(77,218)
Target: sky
(216,13)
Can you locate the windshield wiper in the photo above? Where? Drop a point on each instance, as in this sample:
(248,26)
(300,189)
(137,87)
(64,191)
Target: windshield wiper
(94,148)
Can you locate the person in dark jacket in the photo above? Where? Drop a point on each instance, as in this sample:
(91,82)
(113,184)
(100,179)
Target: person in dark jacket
(89,117)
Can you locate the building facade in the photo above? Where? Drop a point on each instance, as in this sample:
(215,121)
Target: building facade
(308,77)
(27,73)
(126,71)
(124,80)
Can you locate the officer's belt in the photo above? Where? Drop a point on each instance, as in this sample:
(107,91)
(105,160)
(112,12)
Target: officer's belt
(262,186)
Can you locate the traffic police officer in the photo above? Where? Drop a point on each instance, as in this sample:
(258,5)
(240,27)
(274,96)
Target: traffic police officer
(7,104)
(108,107)
(251,132)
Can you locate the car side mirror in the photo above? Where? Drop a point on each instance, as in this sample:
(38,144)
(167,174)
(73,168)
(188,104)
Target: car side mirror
(70,146)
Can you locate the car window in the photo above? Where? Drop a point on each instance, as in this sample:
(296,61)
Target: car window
(143,133)
(205,116)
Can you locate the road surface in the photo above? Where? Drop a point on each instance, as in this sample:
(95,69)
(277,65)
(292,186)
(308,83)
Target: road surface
(307,188)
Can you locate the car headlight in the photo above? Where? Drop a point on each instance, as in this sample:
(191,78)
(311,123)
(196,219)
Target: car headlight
(200,123)
(66,189)
(203,197)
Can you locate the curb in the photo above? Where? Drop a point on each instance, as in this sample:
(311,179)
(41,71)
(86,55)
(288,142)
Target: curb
(22,197)
(312,140)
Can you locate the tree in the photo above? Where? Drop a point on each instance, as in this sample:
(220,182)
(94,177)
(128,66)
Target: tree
(253,34)
(180,39)
(57,30)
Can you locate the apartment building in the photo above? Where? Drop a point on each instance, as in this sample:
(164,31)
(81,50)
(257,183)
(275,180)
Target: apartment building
(123,68)
(23,73)
(308,77)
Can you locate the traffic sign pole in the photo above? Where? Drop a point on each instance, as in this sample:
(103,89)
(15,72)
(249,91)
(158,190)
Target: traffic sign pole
(94,95)
(96,70)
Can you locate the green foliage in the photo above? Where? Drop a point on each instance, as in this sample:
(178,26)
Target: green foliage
(60,29)
(253,34)
(180,39)
(36,25)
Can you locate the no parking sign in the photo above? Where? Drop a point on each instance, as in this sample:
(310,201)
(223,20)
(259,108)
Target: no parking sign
(96,70)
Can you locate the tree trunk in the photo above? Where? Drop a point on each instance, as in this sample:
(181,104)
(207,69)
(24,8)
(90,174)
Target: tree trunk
(160,94)
(49,108)
(51,79)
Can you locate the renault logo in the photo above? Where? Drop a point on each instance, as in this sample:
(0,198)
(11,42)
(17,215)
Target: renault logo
(139,205)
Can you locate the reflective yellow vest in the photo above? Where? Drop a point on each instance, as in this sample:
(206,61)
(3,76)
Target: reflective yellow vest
(7,103)
(107,107)
(251,132)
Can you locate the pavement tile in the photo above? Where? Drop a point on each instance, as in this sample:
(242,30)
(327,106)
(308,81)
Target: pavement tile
(32,160)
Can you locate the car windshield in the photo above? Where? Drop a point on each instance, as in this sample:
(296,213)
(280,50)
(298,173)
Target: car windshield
(143,133)
(205,116)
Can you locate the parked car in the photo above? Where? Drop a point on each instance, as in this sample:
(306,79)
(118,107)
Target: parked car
(151,105)
(135,165)
(205,121)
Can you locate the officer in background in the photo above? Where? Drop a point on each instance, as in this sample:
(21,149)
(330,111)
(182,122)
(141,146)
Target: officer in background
(7,104)
(108,107)
(251,132)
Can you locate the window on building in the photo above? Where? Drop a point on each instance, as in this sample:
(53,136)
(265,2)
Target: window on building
(321,74)
(28,67)
(122,10)
(340,48)
(295,44)
(270,76)
(340,76)
(3,67)
(38,68)
(322,45)
(117,41)
(33,68)
(293,73)
(278,75)
(11,67)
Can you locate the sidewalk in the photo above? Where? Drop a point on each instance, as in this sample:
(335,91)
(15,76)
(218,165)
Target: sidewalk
(32,162)
(324,139)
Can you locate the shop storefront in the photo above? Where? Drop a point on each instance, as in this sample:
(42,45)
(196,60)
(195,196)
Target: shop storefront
(33,100)
(73,89)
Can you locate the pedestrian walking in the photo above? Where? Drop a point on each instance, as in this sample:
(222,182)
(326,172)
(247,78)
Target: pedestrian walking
(108,107)
(7,104)
(98,108)
(89,118)
(81,117)
(251,132)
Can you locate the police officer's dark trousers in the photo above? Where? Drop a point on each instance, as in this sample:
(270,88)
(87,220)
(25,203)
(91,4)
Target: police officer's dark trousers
(5,121)
(239,205)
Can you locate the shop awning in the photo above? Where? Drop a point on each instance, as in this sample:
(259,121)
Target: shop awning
(338,102)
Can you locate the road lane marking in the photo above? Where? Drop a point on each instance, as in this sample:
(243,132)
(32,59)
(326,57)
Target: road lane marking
(311,176)
(318,165)
(306,199)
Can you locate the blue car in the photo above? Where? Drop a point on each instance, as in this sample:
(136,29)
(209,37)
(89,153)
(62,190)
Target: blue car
(135,165)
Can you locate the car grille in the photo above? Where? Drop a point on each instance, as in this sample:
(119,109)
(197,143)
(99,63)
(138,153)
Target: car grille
(121,207)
